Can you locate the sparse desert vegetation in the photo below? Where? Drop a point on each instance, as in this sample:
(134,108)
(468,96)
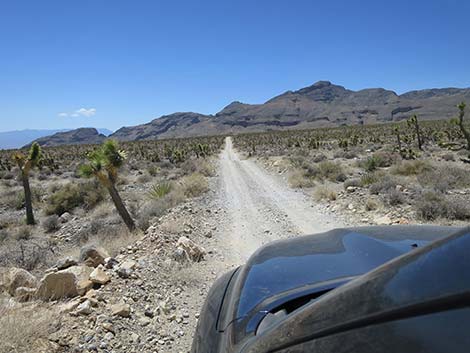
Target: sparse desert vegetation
(403,172)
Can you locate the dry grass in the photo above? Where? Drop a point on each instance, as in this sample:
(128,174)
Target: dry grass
(324,192)
(298,179)
(26,329)
(194,185)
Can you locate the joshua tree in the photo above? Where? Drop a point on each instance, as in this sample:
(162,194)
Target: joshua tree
(413,122)
(104,163)
(464,130)
(396,130)
(25,164)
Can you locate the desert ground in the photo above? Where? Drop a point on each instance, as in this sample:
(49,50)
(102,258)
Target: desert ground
(79,281)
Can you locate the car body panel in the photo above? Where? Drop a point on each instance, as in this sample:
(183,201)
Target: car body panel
(303,269)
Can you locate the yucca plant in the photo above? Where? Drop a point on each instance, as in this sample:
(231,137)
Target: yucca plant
(159,190)
(104,163)
(25,164)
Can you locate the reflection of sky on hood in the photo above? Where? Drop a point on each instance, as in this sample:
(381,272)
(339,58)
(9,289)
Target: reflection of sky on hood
(356,255)
(430,275)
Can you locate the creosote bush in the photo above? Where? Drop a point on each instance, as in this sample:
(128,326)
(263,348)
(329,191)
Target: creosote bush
(69,196)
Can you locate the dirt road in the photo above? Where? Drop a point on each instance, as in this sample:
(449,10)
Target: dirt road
(261,208)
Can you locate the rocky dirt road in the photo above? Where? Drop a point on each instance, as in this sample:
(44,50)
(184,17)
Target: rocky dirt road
(261,208)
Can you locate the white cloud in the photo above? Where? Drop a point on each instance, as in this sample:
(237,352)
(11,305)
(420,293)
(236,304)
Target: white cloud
(79,112)
(86,112)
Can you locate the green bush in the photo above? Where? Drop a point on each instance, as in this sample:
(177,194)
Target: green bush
(372,163)
(65,199)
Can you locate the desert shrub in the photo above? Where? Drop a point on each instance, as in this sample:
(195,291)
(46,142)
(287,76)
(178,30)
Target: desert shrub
(433,205)
(4,235)
(194,185)
(153,170)
(383,185)
(330,170)
(157,207)
(23,233)
(300,179)
(7,175)
(323,192)
(345,154)
(189,166)
(160,189)
(320,157)
(205,168)
(14,198)
(28,254)
(143,178)
(377,160)
(87,195)
(448,157)
(371,178)
(413,167)
(444,178)
(395,197)
(298,161)
(371,205)
(51,223)
(356,182)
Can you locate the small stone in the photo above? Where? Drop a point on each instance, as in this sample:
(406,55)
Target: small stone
(110,262)
(109,336)
(121,309)
(84,308)
(126,268)
(108,327)
(65,263)
(92,255)
(99,276)
(65,217)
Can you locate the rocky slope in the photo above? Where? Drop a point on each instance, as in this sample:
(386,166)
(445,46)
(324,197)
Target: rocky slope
(74,137)
(322,104)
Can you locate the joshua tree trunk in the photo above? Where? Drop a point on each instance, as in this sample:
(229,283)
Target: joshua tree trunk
(27,199)
(462,127)
(121,208)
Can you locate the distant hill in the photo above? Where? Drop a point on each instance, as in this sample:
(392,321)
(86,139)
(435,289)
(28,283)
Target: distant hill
(19,138)
(322,104)
(72,137)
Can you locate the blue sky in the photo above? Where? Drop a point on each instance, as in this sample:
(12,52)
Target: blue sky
(65,64)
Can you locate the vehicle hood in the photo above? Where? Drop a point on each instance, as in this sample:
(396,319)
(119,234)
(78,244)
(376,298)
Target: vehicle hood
(341,253)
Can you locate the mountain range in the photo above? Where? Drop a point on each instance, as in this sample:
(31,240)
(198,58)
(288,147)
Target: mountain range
(322,104)
(18,138)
